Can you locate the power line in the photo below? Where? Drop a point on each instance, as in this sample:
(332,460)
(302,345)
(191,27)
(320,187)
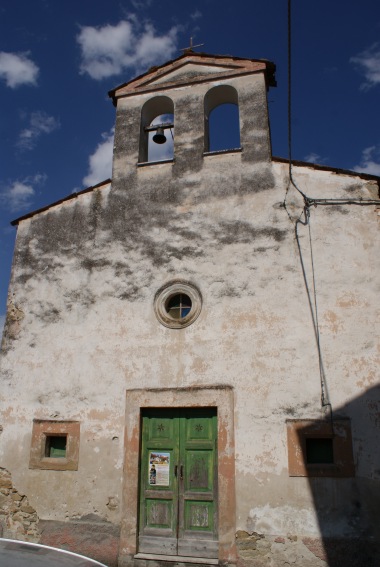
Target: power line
(307,200)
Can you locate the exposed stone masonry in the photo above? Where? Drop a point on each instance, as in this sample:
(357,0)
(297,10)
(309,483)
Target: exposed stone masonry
(18,520)
(256,550)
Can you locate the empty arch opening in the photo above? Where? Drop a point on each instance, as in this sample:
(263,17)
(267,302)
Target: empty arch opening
(224,132)
(222,128)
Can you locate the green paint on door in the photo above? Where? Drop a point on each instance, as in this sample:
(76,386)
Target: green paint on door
(178,483)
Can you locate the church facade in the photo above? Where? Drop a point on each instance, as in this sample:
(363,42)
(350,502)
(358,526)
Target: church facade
(190,358)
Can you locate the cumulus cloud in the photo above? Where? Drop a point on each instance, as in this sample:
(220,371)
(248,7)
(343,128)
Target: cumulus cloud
(314,158)
(370,161)
(127,46)
(196,15)
(17,69)
(100,162)
(141,4)
(368,62)
(160,152)
(19,194)
(39,123)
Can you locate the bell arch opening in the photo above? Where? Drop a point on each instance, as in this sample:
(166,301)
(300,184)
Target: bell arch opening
(157,130)
(221,112)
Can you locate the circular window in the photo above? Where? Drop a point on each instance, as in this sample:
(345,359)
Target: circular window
(177,304)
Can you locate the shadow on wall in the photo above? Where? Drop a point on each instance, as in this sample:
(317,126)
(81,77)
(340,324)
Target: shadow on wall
(344,478)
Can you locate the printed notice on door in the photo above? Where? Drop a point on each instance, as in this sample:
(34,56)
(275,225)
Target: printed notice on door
(159,466)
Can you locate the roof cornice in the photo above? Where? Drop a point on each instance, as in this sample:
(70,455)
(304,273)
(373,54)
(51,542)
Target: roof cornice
(229,67)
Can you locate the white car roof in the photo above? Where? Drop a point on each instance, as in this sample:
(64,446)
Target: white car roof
(14,553)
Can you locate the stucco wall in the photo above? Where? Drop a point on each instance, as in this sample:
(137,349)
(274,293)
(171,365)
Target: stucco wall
(81,328)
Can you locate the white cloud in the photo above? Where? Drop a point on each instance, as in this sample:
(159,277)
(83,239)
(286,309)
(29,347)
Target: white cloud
(369,63)
(40,123)
(141,4)
(127,46)
(314,158)
(370,162)
(17,69)
(159,152)
(100,162)
(19,194)
(196,15)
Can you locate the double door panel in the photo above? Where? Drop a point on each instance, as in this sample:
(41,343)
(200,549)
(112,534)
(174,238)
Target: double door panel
(178,484)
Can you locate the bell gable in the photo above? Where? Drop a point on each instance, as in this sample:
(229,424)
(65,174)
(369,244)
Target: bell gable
(194,68)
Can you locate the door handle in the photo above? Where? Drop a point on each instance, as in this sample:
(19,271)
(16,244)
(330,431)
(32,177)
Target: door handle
(181,472)
(175,470)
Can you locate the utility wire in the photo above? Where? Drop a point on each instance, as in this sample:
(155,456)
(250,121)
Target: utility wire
(307,200)
(363,202)
(306,222)
(313,305)
(324,399)
(308,203)
(290,180)
(290,88)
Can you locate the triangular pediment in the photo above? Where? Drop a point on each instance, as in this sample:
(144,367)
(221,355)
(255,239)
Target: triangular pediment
(188,72)
(192,68)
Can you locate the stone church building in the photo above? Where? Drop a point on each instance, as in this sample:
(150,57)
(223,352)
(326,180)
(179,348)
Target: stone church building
(189,368)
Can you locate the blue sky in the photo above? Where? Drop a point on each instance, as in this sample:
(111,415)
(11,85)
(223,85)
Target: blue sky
(59,59)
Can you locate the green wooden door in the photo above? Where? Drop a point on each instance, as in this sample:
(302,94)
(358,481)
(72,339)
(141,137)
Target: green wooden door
(178,488)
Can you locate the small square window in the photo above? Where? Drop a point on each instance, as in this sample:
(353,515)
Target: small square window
(320,448)
(55,445)
(319,451)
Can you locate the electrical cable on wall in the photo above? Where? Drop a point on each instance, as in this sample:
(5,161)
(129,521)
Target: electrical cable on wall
(308,203)
(290,180)
(313,308)
(307,200)
(324,396)
(306,212)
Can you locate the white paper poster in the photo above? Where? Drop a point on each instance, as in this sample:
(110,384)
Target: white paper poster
(159,467)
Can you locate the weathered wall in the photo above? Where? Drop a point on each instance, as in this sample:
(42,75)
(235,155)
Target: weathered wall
(18,519)
(81,328)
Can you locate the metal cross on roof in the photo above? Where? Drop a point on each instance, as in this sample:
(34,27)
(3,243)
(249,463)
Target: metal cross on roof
(191,46)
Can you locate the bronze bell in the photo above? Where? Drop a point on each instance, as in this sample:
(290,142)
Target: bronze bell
(159,137)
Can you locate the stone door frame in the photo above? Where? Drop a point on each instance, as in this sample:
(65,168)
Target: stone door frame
(220,397)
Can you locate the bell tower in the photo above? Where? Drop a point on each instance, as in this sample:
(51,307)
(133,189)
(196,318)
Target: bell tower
(172,104)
